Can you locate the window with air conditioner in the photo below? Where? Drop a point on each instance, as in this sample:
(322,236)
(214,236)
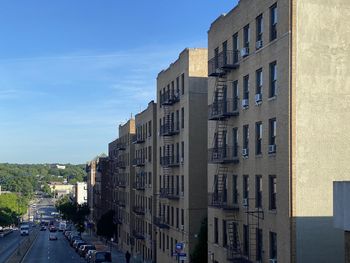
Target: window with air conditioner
(272,136)
(246,41)
(245,100)
(259,32)
(259,85)
(245,150)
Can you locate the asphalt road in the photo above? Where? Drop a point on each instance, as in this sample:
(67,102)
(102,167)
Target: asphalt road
(8,244)
(43,250)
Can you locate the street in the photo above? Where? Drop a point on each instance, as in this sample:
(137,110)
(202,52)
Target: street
(8,244)
(43,250)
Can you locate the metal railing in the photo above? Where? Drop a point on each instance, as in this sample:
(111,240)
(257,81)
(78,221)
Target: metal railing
(225,60)
(169,98)
(220,200)
(170,161)
(170,193)
(160,222)
(224,154)
(169,129)
(222,109)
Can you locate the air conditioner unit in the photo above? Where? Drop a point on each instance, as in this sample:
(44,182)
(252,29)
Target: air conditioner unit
(245,202)
(182,194)
(258,98)
(245,151)
(259,44)
(272,148)
(245,103)
(181,160)
(244,52)
(182,227)
(272,260)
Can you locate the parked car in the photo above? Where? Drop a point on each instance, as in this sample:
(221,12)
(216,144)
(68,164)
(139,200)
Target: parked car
(74,238)
(89,254)
(84,249)
(79,244)
(76,241)
(52,237)
(101,256)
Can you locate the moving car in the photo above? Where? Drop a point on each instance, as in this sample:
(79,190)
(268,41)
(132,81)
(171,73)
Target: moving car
(53,229)
(24,230)
(62,226)
(52,237)
(43,228)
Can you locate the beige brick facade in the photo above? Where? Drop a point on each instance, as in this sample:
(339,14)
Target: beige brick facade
(181,169)
(275,137)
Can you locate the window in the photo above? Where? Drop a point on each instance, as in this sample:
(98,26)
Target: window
(216,234)
(160,99)
(258,191)
(245,240)
(272,135)
(182,118)
(182,151)
(234,190)
(177,152)
(259,83)
(246,37)
(172,216)
(258,142)
(167,242)
(273,245)
(224,52)
(235,95)
(273,79)
(177,86)
(149,128)
(273,22)
(245,103)
(182,184)
(259,31)
(177,217)
(216,56)
(245,140)
(177,120)
(149,178)
(224,233)
(182,83)
(259,244)
(150,153)
(182,217)
(235,142)
(245,186)
(272,192)
(235,47)
(163,242)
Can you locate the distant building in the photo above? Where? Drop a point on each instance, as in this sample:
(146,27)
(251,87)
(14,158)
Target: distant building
(80,193)
(58,166)
(59,189)
(96,169)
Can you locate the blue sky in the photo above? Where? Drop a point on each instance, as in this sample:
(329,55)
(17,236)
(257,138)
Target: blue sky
(72,71)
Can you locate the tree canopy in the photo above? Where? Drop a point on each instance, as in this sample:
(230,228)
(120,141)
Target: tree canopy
(11,206)
(73,212)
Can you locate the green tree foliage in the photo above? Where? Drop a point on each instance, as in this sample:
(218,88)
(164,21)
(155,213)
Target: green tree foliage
(12,206)
(200,252)
(73,212)
(105,226)
(28,178)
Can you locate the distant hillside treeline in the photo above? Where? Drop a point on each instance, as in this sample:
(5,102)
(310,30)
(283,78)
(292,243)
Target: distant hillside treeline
(27,178)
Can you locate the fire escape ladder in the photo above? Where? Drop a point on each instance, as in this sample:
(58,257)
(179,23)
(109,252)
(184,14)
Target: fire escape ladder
(234,250)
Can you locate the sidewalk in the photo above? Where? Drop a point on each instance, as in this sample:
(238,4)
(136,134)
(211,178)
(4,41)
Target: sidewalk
(117,256)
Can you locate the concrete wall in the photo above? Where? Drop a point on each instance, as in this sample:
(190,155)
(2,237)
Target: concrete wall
(322,122)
